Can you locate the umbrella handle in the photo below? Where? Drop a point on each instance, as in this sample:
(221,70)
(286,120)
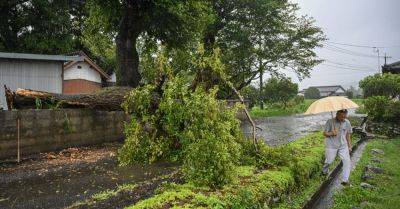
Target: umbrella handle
(333,126)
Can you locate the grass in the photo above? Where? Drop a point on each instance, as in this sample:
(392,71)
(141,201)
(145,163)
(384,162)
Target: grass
(279,110)
(386,195)
(360,102)
(253,187)
(109,193)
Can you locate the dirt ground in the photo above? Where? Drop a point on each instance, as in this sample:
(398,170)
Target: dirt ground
(58,179)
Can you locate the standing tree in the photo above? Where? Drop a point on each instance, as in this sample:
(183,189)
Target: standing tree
(261,36)
(312,93)
(280,90)
(41,26)
(173,23)
(381,85)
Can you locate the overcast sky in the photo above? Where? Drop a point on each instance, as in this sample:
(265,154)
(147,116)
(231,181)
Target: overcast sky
(356,22)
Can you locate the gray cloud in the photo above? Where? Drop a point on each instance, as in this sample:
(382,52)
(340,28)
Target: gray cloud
(359,22)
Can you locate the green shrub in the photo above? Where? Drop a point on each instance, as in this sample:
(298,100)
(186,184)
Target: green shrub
(298,99)
(191,127)
(381,85)
(382,109)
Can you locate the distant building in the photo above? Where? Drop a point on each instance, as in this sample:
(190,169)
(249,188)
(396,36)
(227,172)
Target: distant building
(32,71)
(326,91)
(83,76)
(392,68)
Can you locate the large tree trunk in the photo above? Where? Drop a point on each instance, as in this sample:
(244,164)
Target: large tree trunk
(106,99)
(127,54)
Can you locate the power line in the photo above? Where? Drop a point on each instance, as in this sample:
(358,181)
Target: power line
(346,64)
(362,46)
(348,52)
(348,68)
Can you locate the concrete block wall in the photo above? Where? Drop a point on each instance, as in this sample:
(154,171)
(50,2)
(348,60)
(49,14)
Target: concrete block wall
(49,130)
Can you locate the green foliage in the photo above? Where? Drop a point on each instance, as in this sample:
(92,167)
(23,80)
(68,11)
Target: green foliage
(263,36)
(40,26)
(298,99)
(382,109)
(381,85)
(253,187)
(191,127)
(349,94)
(252,94)
(280,90)
(312,93)
(38,103)
(294,107)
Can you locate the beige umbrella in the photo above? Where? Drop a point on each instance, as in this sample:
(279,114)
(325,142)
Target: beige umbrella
(330,104)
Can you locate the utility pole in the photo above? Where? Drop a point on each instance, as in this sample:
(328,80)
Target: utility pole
(379,62)
(386,57)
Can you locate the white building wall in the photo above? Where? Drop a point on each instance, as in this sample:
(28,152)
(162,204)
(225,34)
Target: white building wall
(30,74)
(85,73)
(113,78)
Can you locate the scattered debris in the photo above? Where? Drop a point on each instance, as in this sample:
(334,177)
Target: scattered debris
(376,160)
(367,186)
(377,151)
(373,169)
(365,176)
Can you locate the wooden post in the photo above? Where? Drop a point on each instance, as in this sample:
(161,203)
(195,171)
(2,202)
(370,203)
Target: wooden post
(18,150)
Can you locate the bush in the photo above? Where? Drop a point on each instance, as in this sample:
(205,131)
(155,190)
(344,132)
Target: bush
(191,127)
(382,109)
(381,85)
(280,90)
(298,99)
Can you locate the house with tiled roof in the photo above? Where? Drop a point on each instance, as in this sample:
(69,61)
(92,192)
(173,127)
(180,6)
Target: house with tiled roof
(392,68)
(326,91)
(84,76)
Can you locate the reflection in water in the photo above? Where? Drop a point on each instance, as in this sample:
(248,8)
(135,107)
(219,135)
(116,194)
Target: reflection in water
(281,130)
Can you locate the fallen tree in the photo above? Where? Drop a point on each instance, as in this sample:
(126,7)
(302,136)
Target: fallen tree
(109,98)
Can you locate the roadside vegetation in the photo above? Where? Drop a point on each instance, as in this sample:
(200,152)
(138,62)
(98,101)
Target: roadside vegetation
(385,187)
(262,181)
(382,93)
(279,110)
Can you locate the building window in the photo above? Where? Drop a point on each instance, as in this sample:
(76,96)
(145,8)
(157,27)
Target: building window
(79,67)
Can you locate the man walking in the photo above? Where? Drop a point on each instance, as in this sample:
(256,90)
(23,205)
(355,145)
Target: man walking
(338,141)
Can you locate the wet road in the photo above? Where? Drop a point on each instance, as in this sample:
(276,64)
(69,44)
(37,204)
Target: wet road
(59,187)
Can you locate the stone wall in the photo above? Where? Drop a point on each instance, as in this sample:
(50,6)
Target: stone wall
(48,130)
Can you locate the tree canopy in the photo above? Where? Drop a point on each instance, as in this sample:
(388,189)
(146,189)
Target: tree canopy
(280,90)
(254,37)
(263,36)
(312,93)
(40,26)
(172,23)
(381,85)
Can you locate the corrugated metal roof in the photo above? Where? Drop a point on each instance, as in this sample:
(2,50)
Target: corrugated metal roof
(40,57)
(327,88)
(394,64)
